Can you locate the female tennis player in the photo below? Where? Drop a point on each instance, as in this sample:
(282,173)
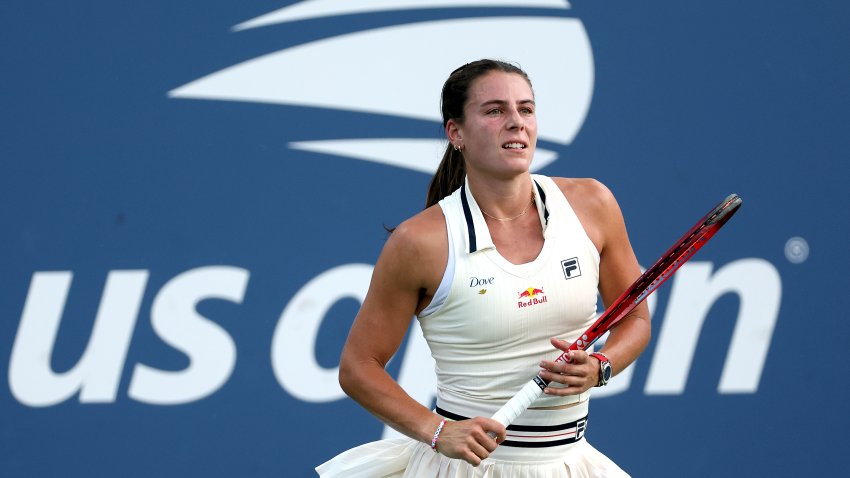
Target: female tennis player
(502,270)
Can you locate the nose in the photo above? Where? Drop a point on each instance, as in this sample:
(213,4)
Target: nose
(515,120)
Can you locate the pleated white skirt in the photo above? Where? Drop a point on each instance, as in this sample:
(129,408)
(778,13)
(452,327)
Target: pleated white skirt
(407,458)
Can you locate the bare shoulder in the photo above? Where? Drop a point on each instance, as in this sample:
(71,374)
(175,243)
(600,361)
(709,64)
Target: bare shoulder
(587,195)
(418,249)
(595,206)
(420,233)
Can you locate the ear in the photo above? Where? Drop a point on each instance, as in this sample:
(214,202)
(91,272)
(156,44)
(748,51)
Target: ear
(453,133)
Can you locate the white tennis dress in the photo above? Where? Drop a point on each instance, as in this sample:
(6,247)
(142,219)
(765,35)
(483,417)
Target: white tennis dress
(488,327)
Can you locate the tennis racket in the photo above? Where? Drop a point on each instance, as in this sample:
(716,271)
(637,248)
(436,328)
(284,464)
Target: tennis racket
(684,249)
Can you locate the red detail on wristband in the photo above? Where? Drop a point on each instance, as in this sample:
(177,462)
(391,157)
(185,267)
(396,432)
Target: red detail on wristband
(600,356)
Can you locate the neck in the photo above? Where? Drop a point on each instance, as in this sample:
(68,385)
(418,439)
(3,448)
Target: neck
(503,199)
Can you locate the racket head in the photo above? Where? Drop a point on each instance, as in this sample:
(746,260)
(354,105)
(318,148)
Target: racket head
(724,211)
(676,256)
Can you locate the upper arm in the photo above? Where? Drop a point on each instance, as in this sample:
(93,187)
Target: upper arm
(405,268)
(618,265)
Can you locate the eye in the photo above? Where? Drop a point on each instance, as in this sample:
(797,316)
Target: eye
(493,112)
(527,110)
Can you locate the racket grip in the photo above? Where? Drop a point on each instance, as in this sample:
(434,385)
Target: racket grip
(520,402)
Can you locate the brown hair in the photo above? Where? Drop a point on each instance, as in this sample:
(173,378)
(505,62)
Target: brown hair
(451,171)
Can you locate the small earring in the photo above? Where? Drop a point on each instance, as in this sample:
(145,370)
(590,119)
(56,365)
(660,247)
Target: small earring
(458,148)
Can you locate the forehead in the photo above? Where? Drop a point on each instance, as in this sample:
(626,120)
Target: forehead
(500,86)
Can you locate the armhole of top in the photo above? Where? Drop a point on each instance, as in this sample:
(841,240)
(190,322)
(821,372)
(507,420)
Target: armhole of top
(445,286)
(568,209)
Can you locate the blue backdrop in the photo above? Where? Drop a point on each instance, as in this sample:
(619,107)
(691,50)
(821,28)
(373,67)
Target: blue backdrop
(193,194)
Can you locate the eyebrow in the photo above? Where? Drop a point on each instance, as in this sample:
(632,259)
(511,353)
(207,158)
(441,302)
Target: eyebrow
(503,103)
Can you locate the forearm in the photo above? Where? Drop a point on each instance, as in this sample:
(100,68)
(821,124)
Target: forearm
(374,389)
(627,340)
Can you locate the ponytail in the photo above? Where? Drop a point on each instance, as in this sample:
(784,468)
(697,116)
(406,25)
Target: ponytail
(449,176)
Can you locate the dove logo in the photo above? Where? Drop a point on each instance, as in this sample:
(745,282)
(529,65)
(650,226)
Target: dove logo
(396,71)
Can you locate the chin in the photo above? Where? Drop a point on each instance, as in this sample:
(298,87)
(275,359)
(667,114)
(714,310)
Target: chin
(515,169)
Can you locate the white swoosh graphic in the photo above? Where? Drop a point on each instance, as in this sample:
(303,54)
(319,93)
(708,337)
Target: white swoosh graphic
(417,154)
(382,71)
(324,8)
(399,71)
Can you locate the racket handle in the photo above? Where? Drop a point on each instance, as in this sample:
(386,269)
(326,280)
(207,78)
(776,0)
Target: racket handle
(520,402)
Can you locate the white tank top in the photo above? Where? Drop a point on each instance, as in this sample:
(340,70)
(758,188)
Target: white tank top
(489,323)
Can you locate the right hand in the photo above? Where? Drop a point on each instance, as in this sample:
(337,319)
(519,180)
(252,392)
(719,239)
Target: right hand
(470,440)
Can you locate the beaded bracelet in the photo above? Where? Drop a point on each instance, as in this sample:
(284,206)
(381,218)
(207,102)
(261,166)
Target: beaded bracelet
(437,434)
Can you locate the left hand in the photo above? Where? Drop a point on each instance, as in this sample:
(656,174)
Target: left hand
(580,375)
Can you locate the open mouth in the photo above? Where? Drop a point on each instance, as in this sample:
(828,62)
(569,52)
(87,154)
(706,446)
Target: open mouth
(513,145)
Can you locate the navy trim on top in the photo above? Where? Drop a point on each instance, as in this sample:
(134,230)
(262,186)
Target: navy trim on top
(516,428)
(579,426)
(543,200)
(470,226)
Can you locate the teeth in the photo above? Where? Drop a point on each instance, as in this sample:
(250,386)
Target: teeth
(514,146)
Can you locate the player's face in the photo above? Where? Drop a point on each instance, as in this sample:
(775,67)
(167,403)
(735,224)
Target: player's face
(499,132)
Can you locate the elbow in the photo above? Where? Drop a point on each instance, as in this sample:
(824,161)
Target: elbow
(645,333)
(358,376)
(345,378)
(349,376)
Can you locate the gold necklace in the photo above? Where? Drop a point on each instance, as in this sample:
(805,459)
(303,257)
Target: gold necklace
(515,217)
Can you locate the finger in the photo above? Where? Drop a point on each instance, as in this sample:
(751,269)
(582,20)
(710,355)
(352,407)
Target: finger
(501,435)
(550,376)
(579,356)
(553,378)
(557,366)
(478,449)
(560,373)
(560,344)
(471,458)
(557,391)
(495,431)
(491,442)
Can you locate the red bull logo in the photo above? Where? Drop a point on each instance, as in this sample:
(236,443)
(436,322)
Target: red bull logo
(531,296)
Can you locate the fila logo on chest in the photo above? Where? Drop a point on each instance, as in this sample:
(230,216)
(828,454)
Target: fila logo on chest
(571,268)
